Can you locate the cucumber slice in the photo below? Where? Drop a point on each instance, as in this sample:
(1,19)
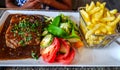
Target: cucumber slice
(45,33)
(46,41)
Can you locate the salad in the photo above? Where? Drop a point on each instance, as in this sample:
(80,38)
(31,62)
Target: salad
(60,38)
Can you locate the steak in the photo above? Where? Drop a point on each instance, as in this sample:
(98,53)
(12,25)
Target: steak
(24,30)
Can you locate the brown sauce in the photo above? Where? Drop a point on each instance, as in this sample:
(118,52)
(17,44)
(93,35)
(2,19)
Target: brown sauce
(7,53)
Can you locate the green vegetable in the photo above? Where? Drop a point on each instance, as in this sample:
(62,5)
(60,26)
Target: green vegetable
(28,38)
(33,26)
(61,26)
(73,25)
(66,27)
(34,55)
(64,18)
(46,41)
(73,34)
(56,31)
(45,33)
(48,19)
(22,42)
(21,33)
(24,23)
(56,21)
(36,23)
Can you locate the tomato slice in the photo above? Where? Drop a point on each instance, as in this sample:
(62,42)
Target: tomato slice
(66,47)
(49,54)
(68,59)
(52,53)
(68,56)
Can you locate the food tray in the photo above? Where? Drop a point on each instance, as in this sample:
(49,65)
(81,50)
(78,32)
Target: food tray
(108,56)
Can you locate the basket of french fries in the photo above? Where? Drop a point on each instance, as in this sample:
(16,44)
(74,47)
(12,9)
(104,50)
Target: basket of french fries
(98,25)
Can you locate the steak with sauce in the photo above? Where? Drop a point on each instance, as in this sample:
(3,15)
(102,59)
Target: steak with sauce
(24,30)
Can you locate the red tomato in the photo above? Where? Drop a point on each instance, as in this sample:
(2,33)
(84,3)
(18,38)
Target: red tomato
(66,47)
(68,56)
(68,59)
(52,53)
(49,54)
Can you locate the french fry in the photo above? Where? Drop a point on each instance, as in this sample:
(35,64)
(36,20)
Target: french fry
(113,11)
(86,8)
(90,26)
(115,21)
(93,21)
(97,32)
(88,23)
(98,4)
(105,12)
(107,19)
(98,15)
(108,13)
(104,31)
(90,32)
(93,11)
(102,6)
(92,5)
(85,15)
(109,29)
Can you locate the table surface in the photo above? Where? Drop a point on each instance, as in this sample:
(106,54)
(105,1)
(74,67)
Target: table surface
(62,68)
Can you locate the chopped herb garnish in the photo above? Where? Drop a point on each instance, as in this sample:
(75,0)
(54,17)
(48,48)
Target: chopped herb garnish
(14,34)
(22,42)
(38,34)
(37,23)
(34,55)
(28,38)
(22,25)
(25,28)
(20,33)
(33,26)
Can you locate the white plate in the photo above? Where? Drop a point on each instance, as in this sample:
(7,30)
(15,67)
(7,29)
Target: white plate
(109,56)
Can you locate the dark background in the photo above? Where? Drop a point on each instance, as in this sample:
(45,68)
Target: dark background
(111,4)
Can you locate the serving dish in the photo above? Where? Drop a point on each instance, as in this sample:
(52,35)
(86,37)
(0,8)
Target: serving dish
(108,56)
(106,40)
